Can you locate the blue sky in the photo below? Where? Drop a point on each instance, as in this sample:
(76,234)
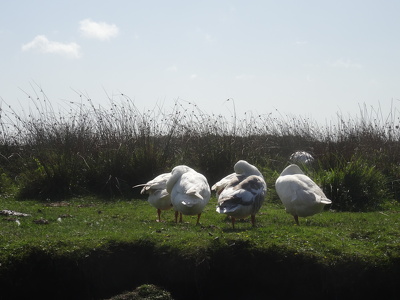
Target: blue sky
(298,58)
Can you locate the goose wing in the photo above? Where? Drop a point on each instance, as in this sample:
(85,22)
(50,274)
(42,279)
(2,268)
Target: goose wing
(195,184)
(242,191)
(159,183)
(220,185)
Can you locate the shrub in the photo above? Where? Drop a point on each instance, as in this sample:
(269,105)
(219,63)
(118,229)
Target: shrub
(50,176)
(5,183)
(393,175)
(355,185)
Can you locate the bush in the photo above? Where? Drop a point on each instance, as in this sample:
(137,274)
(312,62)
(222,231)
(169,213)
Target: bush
(5,183)
(355,185)
(52,176)
(393,175)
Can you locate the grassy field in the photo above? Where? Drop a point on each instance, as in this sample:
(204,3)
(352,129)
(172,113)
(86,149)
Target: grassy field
(121,239)
(83,225)
(72,171)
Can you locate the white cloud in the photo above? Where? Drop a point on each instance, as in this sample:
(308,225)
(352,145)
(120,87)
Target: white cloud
(344,64)
(98,30)
(193,76)
(172,68)
(42,44)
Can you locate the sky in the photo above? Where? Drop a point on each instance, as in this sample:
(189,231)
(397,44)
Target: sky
(313,59)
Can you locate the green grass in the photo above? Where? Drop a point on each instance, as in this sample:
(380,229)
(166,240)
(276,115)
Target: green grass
(80,226)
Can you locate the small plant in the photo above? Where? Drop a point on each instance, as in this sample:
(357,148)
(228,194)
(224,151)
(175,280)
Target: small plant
(145,292)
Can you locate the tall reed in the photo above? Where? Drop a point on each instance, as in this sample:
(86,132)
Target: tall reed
(83,148)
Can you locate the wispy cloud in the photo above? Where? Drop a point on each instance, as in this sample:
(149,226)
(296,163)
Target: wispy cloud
(205,35)
(344,64)
(42,44)
(172,68)
(208,37)
(300,42)
(98,30)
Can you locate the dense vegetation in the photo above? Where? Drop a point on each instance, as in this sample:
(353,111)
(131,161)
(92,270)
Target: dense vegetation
(85,150)
(72,171)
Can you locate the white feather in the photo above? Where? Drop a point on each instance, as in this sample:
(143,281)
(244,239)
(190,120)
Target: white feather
(242,193)
(157,191)
(301,196)
(301,157)
(189,190)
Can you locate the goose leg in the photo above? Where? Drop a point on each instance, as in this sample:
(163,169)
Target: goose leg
(296,218)
(253,220)
(198,218)
(159,215)
(233,222)
(176,216)
(180,217)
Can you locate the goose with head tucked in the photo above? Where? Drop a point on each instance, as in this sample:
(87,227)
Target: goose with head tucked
(220,185)
(189,190)
(300,195)
(241,194)
(157,191)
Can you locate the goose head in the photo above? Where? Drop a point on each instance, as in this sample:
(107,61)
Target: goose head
(292,170)
(176,173)
(242,167)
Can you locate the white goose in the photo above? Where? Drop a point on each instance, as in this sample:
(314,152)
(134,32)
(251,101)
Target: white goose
(242,193)
(189,192)
(301,157)
(301,196)
(220,185)
(158,195)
